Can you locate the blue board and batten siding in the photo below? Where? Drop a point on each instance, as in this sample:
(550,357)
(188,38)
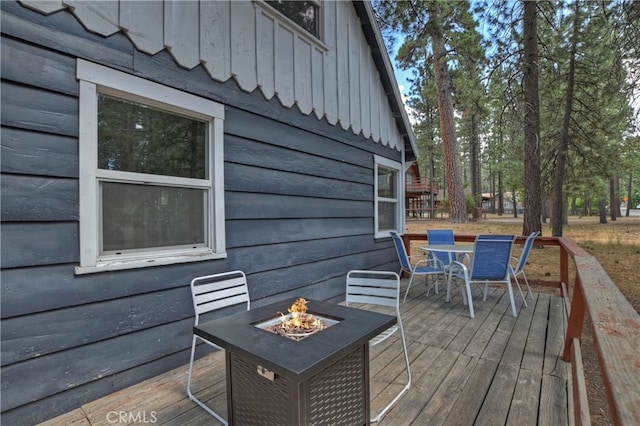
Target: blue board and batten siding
(299,215)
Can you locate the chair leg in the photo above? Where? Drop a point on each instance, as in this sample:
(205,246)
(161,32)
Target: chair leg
(408,287)
(526,281)
(511,298)
(434,285)
(406,387)
(191,395)
(524,298)
(193,353)
(469,298)
(449,276)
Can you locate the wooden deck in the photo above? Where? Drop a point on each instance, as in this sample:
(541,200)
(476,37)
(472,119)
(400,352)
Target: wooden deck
(492,370)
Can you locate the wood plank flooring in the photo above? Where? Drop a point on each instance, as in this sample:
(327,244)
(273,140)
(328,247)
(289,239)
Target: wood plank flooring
(492,370)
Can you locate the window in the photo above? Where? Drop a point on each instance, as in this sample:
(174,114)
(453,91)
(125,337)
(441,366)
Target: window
(151,173)
(388,196)
(304,13)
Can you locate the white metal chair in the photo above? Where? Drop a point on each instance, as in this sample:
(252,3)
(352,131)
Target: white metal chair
(209,293)
(431,266)
(379,288)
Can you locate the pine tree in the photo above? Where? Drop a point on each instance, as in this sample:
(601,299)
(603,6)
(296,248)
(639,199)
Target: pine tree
(432,44)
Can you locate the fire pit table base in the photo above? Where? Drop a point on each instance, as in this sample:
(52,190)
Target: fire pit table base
(337,395)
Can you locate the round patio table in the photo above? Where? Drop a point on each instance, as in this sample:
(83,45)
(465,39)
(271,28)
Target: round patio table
(453,250)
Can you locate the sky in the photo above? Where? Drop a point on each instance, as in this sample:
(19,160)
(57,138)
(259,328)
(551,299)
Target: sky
(402,78)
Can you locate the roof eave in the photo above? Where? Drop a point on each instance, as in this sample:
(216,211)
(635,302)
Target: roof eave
(387,76)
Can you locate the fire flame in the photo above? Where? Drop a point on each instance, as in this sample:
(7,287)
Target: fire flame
(299,319)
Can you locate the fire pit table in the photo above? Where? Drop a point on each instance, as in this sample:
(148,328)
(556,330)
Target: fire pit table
(320,379)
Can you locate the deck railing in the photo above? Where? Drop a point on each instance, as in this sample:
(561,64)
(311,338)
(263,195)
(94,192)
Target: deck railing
(615,327)
(421,185)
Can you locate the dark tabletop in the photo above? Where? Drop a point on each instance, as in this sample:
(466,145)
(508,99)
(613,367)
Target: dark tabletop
(296,360)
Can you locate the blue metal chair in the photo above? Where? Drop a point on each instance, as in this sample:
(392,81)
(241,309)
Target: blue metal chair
(427,267)
(443,237)
(380,288)
(522,262)
(490,263)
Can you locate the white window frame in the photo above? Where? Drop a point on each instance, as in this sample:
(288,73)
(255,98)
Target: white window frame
(96,79)
(394,165)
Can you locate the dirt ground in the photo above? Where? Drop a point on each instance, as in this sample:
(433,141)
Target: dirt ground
(616,245)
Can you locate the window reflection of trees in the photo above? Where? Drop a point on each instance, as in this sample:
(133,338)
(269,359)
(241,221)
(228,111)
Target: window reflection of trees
(136,138)
(386,183)
(303,13)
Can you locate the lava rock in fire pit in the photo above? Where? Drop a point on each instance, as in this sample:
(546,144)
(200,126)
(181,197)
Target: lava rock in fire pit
(298,324)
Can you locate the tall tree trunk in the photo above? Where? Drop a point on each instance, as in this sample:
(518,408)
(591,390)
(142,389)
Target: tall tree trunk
(492,190)
(561,160)
(629,198)
(432,200)
(618,202)
(500,194)
(613,198)
(532,190)
(602,209)
(546,207)
(475,166)
(453,168)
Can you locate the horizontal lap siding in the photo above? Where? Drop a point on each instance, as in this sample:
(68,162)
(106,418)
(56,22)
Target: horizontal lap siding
(39,110)
(299,209)
(43,333)
(38,198)
(76,366)
(266,206)
(33,153)
(28,244)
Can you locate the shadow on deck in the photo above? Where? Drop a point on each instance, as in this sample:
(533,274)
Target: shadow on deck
(494,369)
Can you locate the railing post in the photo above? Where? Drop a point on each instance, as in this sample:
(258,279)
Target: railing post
(564,265)
(580,400)
(407,244)
(576,319)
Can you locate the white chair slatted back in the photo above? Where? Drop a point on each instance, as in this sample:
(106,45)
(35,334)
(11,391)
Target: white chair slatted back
(218,291)
(376,291)
(380,288)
